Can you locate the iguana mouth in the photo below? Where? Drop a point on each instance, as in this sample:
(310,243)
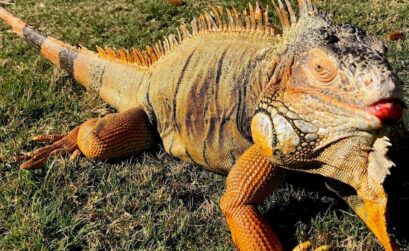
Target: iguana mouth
(388,111)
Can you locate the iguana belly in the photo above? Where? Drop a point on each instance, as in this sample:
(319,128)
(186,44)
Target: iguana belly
(216,147)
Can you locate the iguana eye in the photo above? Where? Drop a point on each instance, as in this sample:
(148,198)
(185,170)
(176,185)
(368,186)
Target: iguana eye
(322,66)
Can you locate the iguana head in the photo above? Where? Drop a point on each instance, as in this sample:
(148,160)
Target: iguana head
(345,70)
(330,96)
(331,81)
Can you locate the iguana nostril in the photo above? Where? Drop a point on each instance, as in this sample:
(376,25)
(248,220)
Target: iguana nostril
(368,81)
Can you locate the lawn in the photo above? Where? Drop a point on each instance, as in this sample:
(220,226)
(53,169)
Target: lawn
(152,201)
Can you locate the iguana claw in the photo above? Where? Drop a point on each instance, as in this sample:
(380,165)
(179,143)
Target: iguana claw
(60,144)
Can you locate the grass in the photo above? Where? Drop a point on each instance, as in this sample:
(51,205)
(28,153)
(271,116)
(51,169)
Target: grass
(149,202)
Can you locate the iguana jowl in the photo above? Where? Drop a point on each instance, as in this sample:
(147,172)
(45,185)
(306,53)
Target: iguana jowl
(241,97)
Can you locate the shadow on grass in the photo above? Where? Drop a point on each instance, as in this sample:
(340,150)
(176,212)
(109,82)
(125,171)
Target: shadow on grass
(301,208)
(397,186)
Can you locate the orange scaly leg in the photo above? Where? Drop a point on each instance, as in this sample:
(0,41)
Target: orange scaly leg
(114,136)
(250,181)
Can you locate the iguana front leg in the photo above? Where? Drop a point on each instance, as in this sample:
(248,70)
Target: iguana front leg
(114,136)
(250,181)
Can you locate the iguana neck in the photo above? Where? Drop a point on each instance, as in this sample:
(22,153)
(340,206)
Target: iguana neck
(269,66)
(345,159)
(359,160)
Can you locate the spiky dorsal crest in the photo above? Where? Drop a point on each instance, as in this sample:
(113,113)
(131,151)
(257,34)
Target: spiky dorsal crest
(255,20)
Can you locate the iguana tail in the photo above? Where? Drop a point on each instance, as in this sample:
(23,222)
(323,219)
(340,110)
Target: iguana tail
(88,68)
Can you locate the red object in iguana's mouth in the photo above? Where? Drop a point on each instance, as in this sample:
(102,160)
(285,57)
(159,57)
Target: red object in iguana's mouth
(389,111)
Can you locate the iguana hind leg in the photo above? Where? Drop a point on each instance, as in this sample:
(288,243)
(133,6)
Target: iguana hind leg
(250,181)
(114,136)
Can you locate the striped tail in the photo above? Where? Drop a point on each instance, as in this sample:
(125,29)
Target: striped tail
(87,67)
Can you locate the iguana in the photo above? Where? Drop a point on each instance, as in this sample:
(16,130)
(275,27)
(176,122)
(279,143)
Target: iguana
(235,94)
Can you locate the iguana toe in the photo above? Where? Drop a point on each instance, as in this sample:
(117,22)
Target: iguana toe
(60,144)
(307,245)
(49,138)
(75,155)
(323,248)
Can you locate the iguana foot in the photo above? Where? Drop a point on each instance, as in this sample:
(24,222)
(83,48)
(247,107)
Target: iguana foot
(305,246)
(60,144)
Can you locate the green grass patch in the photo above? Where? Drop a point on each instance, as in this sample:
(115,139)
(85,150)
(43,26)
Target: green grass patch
(150,202)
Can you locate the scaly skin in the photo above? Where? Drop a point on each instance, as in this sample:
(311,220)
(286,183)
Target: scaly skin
(250,181)
(241,97)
